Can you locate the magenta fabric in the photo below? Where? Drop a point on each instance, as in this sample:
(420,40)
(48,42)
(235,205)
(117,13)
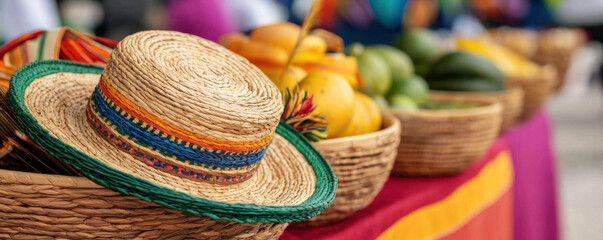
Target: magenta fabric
(209,19)
(535,190)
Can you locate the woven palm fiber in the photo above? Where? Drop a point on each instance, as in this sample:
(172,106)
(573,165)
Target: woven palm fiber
(44,206)
(362,164)
(536,90)
(511,100)
(445,142)
(270,186)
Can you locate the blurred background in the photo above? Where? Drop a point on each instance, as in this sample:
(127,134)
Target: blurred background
(577,108)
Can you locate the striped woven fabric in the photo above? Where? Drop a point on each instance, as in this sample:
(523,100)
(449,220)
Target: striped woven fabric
(63,43)
(162,145)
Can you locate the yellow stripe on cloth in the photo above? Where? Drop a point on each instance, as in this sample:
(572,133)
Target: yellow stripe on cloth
(467,201)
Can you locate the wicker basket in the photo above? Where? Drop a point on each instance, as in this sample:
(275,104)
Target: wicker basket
(511,100)
(445,142)
(362,165)
(536,90)
(560,60)
(41,206)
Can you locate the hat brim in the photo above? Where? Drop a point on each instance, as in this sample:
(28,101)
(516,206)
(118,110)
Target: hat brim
(293,183)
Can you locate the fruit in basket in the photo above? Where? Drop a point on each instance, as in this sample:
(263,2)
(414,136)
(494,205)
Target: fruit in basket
(375,73)
(269,47)
(411,86)
(366,117)
(336,62)
(359,121)
(465,64)
(380,101)
(402,102)
(465,84)
(284,35)
(289,80)
(510,63)
(372,111)
(463,71)
(421,45)
(264,56)
(354,49)
(399,63)
(334,98)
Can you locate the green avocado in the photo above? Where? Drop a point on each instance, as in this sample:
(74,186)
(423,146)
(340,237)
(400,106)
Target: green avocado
(375,73)
(463,64)
(412,86)
(398,62)
(421,45)
(354,49)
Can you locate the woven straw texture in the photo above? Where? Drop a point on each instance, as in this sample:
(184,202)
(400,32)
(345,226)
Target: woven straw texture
(42,206)
(444,142)
(362,164)
(510,99)
(536,90)
(560,60)
(49,98)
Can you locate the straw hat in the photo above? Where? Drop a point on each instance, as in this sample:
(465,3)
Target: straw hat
(180,121)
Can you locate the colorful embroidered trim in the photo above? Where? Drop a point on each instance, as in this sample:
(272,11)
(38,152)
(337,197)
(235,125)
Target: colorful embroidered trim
(169,144)
(104,127)
(182,135)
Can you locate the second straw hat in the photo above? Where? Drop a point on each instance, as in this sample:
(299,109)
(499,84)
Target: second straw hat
(180,121)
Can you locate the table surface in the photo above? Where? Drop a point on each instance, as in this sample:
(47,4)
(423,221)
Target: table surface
(532,194)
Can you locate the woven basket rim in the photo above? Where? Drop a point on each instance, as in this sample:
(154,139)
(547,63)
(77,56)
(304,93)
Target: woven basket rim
(97,171)
(22,177)
(390,122)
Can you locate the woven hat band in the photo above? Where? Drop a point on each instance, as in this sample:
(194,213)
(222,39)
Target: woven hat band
(154,143)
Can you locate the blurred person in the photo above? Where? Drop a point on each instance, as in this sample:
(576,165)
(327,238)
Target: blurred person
(585,14)
(122,18)
(24,16)
(211,19)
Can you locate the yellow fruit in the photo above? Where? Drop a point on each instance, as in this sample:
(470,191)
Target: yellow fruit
(366,117)
(292,77)
(334,98)
(359,123)
(372,111)
(233,41)
(345,66)
(263,55)
(509,62)
(283,35)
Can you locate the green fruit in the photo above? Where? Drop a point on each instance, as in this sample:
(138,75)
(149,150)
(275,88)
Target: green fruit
(469,84)
(422,69)
(420,45)
(402,102)
(354,49)
(398,62)
(464,64)
(414,87)
(380,101)
(375,73)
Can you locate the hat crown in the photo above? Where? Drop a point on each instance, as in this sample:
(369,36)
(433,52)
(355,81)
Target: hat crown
(186,105)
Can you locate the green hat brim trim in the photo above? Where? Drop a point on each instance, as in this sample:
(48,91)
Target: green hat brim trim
(97,171)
